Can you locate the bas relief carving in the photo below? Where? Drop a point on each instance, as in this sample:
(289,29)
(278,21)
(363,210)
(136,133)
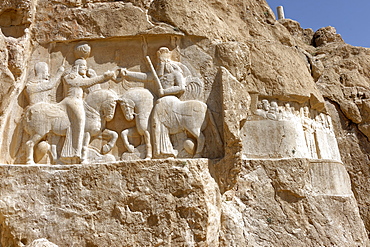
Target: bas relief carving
(63,131)
(280,129)
(72,116)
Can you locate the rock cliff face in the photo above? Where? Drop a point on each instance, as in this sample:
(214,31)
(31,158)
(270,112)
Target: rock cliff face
(291,106)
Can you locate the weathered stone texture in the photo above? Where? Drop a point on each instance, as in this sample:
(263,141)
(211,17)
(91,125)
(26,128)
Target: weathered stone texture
(128,204)
(289,202)
(243,55)
(178,203)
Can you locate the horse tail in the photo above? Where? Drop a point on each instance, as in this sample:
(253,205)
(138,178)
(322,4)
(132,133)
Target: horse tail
(214,129)
(193,89)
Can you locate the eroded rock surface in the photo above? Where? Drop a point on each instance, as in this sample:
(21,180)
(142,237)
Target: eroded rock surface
(140,203)
(284,128)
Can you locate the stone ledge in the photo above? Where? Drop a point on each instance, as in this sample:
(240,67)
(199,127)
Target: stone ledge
(141,202)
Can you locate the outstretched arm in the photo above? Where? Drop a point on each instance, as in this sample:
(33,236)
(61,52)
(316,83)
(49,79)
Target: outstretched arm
(87,82)
(137,76)
(55,80)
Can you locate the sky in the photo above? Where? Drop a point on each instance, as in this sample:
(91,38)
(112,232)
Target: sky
(350,18)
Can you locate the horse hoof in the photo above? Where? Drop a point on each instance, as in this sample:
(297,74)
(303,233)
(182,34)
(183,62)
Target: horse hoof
(30,163)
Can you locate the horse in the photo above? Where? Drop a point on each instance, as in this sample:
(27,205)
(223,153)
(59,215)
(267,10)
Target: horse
(137,103)
(50,120)
(171,116)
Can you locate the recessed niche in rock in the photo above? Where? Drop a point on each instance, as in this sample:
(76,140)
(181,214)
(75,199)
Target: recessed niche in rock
(282,129)
(139,90)
(13,22)
(111,100)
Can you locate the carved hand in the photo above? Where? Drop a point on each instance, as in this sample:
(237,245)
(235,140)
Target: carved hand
(124,72)
(60,69)
(161,92)
(109,74)
(91,73)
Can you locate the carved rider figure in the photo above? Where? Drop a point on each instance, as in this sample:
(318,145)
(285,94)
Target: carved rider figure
(170,73)
(41,89)
(75,82)
(172,79)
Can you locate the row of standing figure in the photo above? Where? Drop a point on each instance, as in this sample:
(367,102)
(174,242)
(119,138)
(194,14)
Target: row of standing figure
(317,127)
(272,111)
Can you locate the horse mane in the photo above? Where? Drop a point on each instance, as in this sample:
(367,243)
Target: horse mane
(90,110)
(94,96)
(96,99)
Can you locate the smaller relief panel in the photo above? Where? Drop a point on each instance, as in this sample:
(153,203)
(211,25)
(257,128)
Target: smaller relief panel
(280,129)
(329,178)
(114,104)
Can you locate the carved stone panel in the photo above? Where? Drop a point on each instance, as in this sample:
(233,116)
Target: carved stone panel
(280,129)
(71,115)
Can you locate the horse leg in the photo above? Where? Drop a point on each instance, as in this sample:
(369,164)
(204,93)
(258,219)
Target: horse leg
(54,139)
(112,136)
(197,133)
(30,148)
(124,134)
(85,148)
(142,128)
(148,145)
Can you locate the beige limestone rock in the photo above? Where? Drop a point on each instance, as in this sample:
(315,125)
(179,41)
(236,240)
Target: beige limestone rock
(296,30)
(272,66)
(299,212)
(241,53)
(123,204)
(59,22)
(326,35)
(42,242)
(235,57)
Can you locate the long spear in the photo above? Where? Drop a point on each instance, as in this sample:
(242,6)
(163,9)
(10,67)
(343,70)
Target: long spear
(156,78)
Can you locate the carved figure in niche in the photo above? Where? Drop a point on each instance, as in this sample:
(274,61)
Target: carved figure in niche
(265,105)
(273,111)
(140,102)
(307,124)
(287,111)
(173,81)
(52,119)
(263,108)
(171,77)
(325,139)
(40,89)
(170,74)
(75,82)
(171,116)
(328,122)
(260,111)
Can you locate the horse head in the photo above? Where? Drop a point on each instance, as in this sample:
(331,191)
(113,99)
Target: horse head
(127,107)
(103,101)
